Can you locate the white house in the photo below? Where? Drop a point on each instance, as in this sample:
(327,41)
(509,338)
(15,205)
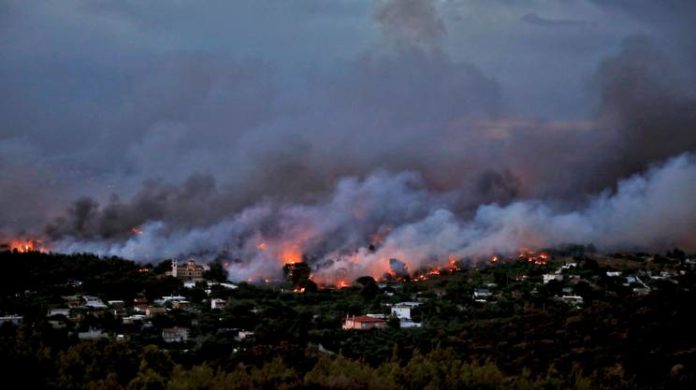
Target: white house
(403,309)
(549,277)
(190,284)
(169,299)
(91,334)
(14,319)
(93,302)
(217,303)
(61,311)
(243,335)
(133,318)
(568,266)
(481,294)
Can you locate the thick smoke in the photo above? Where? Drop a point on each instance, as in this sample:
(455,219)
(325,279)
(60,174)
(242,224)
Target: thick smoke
(648,107)
(390,144)
(654,210)
(646,211)
(196,202)
(263,234)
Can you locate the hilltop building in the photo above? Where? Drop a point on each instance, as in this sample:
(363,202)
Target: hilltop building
(189,270)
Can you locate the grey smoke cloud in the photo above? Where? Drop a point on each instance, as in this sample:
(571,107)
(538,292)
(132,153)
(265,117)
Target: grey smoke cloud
(648,211)
(190,122)
(647,106)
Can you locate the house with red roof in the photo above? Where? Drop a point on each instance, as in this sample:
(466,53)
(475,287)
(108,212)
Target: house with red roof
(364,323)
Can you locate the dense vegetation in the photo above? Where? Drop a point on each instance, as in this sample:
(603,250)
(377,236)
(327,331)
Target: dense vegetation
(525,339)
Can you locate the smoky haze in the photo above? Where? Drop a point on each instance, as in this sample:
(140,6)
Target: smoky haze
(351,132)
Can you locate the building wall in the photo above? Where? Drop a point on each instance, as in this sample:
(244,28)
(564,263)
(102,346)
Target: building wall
(351,323)
(188,270)
(401,311)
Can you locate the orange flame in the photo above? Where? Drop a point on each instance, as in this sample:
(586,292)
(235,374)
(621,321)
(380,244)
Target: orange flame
(26,246)
(291,254)
(452,266)
(537,258)
(342,283)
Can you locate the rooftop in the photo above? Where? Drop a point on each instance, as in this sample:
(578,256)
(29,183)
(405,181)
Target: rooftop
(365,319)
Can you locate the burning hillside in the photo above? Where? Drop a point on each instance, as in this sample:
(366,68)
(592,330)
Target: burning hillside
(25,246)
(538,258)
(393,226)
(387,156)
(303,275)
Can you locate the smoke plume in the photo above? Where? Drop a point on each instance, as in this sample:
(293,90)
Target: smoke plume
(652,210)
(413,130)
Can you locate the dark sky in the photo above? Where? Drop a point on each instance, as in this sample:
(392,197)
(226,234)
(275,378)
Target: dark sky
(117,114)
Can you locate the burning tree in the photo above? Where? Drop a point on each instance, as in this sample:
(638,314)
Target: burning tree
(297,274)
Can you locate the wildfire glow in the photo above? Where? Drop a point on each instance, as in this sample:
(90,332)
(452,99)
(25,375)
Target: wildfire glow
(291,254)
(538,258)
(452,263)
(396,266)
(26,246)
(136,231)
(342,283)
(451,266)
